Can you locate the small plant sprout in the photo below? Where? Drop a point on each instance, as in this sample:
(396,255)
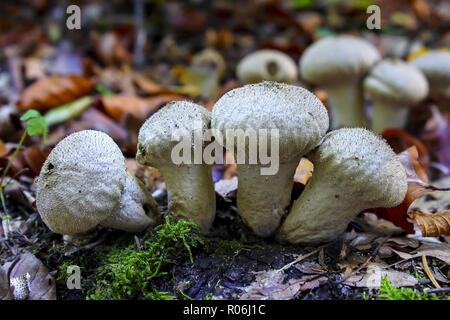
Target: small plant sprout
(294,119)
(35,125)
(394,86)
(338,64)
(189,182)
(269,65)
(354,169)
(84,183)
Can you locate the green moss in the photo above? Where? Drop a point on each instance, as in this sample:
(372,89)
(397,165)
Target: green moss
(127,270)
(388,292)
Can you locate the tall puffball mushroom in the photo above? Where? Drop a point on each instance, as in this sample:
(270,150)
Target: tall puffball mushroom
(270,65)
(189,183)
(301,121)
(435,65)
(394,86)
(338,64)
(354,169)
(84,183)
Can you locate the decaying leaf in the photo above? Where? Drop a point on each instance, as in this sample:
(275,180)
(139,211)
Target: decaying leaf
(432,224)
(54,91)
(3,149)
(375,272)
(119,106)
(270,285)
(439,251)
(42,285)
(5,292)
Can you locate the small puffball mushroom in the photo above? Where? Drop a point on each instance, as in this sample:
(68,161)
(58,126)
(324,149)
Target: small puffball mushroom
(435,65)
(354,169)
(189,183)
(301,120)
(394,86)
(270,65)
(338,65)
(84,183)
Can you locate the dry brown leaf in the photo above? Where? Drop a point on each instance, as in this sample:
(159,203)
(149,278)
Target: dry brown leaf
(42,284)
(271,285)
(439,251)
(432,224)
(119,106)
(3,149)
(54,91)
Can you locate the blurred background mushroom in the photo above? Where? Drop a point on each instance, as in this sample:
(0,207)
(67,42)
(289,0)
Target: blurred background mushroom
(338,64)
(394,86)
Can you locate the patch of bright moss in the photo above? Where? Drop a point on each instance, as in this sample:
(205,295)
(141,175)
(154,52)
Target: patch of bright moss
(389,292)
(128,271)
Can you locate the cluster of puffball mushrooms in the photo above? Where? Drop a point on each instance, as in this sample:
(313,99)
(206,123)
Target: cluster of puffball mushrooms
(84,181)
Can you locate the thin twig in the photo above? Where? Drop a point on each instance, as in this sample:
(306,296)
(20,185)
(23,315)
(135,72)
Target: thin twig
(428,272)
(290,264)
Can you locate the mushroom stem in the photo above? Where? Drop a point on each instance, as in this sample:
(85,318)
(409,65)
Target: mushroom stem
(262,209)
(191,193)
(387,116)
(135,205)
(346,104)
(311,218)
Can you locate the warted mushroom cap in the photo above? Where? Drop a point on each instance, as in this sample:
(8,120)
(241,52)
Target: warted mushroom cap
(155,136)
(81,182)
(336,59)
(396,81)
(435,65)
(354,169)
(299,115)
(378,177)
(271,65)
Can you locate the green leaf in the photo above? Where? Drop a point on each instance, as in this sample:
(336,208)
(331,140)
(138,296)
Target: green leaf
(36,124)
(30,114)
(301,4)
(104,90)
(67,111)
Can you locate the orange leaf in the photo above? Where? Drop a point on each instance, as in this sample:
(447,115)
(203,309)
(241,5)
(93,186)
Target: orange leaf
(432,224)
(119,106)
(54,91)
(304,171)
(3,149)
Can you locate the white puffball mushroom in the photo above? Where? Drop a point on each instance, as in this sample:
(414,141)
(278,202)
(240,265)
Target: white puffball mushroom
(394,86)
(84,183)
(266,64)
(190,187)
(338,64)
(301,120)
(435,65)
(354,170)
